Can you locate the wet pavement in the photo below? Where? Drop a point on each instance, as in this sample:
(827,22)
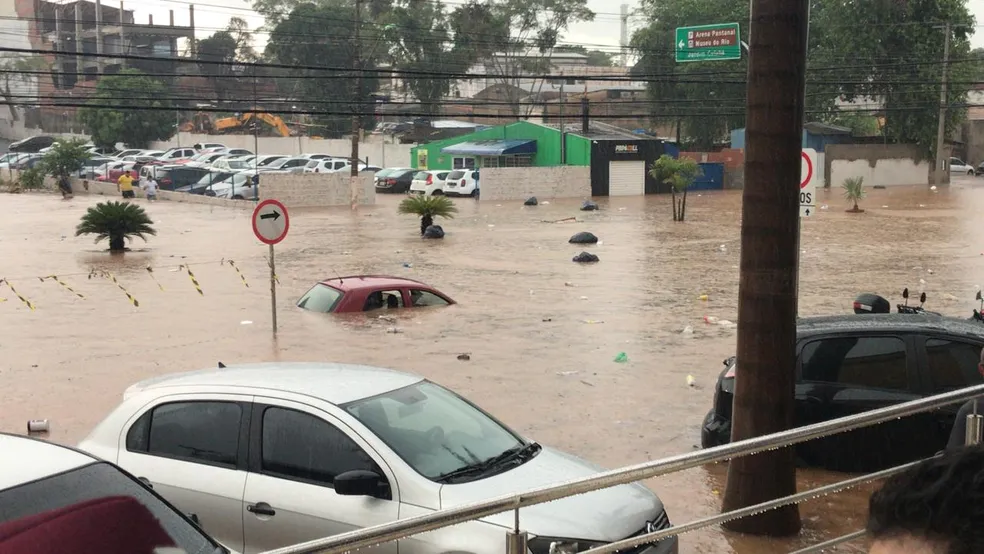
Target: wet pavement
(541,331)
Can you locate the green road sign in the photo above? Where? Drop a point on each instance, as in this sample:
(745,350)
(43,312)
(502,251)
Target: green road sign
(705,43)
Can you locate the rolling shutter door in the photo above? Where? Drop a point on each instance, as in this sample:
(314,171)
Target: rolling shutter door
(626,178)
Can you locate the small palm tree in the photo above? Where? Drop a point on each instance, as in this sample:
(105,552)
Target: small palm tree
(428,207)
(854,192)
(116,221)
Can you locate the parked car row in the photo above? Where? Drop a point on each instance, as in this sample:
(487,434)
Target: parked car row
(459,182)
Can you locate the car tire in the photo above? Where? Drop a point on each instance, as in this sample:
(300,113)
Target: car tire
(474,193)
(971,173)
(438,192)
(238,197)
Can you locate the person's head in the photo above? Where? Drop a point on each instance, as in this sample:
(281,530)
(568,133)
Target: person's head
(937,507)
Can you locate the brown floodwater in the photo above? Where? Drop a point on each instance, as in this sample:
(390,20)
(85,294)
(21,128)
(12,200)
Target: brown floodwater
(542,332)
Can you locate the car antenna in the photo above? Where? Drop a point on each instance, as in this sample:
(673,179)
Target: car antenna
(340,281)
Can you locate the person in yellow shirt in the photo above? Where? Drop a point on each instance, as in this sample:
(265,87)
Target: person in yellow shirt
(125,184)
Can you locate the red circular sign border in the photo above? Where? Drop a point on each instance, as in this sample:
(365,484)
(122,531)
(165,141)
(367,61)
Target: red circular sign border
(809,168)
(256,214)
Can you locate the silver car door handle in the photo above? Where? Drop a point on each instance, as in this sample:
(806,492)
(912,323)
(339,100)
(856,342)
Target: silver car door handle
(261,509)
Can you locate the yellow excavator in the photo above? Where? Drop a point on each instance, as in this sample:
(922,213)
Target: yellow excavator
(203,123)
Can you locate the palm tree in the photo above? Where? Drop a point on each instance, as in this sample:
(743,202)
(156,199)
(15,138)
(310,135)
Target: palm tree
(116,221)
(854,191)
(428,207)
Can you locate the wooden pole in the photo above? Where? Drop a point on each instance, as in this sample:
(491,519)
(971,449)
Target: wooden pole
(765,381)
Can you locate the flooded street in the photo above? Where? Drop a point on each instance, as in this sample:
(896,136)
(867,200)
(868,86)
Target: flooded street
(542,332)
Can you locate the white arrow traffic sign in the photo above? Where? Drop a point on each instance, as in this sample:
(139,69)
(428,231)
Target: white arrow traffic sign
(270,222)
(808,182)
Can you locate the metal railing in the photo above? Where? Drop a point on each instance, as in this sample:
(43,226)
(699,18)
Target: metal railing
(516,538)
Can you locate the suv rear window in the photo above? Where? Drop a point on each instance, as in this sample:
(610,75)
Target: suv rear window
(58,506)
(455,175)
(313,163)
(420,176)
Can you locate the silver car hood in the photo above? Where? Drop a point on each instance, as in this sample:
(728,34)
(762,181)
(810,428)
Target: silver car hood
(605,515)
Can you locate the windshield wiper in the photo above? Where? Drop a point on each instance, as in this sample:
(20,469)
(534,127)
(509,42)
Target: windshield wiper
(518,452)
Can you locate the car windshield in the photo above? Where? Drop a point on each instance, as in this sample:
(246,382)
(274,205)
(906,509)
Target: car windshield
(321,298)
(65,505)
(434,430)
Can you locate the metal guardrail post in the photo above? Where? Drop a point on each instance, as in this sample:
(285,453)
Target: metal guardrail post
(516,540)
(975,424)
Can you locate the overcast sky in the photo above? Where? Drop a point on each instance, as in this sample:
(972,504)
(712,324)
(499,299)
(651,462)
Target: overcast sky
(602,33)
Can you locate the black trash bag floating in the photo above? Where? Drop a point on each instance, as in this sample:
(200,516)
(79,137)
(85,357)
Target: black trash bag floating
(588,206)
(585,258)
(584,238)
(434,232)
(531,201)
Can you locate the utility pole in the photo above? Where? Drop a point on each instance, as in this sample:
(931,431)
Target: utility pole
(941,125)
(563,140)
(764,386)
(356,123)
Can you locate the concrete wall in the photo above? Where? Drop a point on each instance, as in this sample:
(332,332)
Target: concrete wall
(99,188)
(973,139)
(315,190)
(379,153)
(878,164)
(16,130)
(519,183)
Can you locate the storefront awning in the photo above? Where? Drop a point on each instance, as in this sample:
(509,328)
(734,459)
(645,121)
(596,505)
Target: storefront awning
(492,148)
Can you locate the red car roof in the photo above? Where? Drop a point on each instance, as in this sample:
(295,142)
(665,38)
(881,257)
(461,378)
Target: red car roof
(356,282)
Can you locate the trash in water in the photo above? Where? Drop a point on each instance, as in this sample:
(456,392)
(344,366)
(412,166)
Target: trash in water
(688,330)
(584,298)
(565,373)
(933,188)
(547,319)
(568,284)
(545,202)
(245,322)
(691,382)
(930,271)
(394,330)
(710,319)
(407,264)
(621,358)
(585,258)
(593,321)
(464,357)
(824,207)
(531,201)
(723,247)
(702,297)
(922,281)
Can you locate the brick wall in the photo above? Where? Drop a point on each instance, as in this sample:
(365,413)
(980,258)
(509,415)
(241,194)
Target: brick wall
(309,190)
(519,183)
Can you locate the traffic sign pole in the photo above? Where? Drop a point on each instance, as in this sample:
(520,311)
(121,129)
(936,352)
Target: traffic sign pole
(270,225)
(273,289)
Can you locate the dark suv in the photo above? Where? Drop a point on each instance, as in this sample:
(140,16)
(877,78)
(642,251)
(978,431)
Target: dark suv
(855,363)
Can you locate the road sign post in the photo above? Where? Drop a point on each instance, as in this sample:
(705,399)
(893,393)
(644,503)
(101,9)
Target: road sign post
(808,182)
(706,43)
(270,225)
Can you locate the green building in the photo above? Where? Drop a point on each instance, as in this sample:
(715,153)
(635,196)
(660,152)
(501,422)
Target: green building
(618,158)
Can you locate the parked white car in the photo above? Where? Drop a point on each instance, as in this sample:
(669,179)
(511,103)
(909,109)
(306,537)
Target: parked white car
(47,491)
(330,165)
(294,164)
(229,164)
(268,455)
(462,182)
(957,167)
(429,183)
(237,187)
(201,146)
(13,157)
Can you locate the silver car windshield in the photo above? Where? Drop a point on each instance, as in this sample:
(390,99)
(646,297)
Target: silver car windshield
(434,430)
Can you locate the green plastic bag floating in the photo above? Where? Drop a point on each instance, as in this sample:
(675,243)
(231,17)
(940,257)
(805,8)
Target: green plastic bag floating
(621,358)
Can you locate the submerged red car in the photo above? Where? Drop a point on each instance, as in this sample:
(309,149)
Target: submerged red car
(365,293)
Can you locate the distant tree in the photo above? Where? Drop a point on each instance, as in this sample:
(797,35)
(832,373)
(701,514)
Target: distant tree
(420,42)
(515,39)
(861,125)
(679,173)
(116,221)
(128,107)
(332,94)
(16,80)
(65,158)
(221,48)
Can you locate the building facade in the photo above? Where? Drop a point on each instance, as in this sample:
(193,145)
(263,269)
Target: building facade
(618,159)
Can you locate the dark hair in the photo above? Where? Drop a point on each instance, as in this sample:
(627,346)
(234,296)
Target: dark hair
(940,499)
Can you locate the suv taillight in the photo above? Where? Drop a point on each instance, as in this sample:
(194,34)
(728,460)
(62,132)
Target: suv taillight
(430,179)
